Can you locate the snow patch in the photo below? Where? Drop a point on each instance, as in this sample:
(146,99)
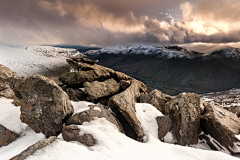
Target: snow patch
(81,106)
(97,109)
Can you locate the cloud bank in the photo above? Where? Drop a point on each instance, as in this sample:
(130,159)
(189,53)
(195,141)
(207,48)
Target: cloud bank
(107,22)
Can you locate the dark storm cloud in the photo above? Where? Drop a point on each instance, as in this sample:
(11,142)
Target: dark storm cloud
(108,22)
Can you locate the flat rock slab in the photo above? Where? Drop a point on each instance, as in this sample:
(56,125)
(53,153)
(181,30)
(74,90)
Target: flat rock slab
(96,90)
(6,136)
(222,125)
(44,105)
(76,79)
(185,112)
(98,111)
(32,149)
(72,133)
(124,103)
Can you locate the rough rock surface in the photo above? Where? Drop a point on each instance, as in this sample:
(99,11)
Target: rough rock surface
(76,79)
(156,98)
(124,103)
(5,90)
(185,111)
(234,109)
(75,94)
(80,66)
(222,125)
(125,84)
(84,60)
(32,149)
(96,90)
(72,133)
(95,111)
(44,105)
(164,126)
(6,136)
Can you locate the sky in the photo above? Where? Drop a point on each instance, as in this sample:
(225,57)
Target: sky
(110,22)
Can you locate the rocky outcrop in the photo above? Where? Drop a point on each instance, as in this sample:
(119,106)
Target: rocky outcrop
(72,133)
(164,126)
(124,104)
(84,60)
(6,136)
(80,66)
(96,90)
(222,125)
(185,112)
(32,149)
(5,90)
(75,94)
(44,105)
(98,111)
(156,98)
(76,79)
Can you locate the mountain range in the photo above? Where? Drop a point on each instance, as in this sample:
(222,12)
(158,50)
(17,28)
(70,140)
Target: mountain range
(174,69)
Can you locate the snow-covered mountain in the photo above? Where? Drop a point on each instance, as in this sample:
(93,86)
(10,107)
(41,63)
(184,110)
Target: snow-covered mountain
(28,60)
(229,53)
(167,52)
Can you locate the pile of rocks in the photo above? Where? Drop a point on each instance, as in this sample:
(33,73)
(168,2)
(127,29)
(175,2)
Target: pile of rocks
(45,107)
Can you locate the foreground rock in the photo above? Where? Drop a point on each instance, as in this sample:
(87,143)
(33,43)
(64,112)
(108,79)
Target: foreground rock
(234,109)
(96,90)
(164,126)
(156,98)
(75,94)
(44,105)
(77,66)
(76,79)
(185,112)
(72,133)
(32,149)
(222,125)
(124,104)
(5,90)
(6,136)
(95,111)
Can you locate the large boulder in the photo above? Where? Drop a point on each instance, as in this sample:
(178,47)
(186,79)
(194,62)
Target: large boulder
(32,149)
(76,79)
(75,94)
(5,90)
(124,104)
(77,66)
(98,111)
(156,98)
(96,90)
(185,112)
(44,105)
(72,133)
(6,136)
(164,126)
(222,125)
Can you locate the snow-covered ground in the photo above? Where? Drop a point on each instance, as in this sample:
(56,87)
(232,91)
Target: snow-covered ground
(34,59)
(111,144)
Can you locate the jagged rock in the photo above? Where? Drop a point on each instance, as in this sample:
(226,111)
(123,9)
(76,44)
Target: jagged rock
(222,125)
(44,105)
(96,90)
(84,60)
(6,136)
(125,84)
(185,111)
(156,98)
(75,94)
(72,133)
(32,149)
(5,90)
(164,126)
(234,109)
(94,111)
(76,79)
(124,103)
(80,66)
